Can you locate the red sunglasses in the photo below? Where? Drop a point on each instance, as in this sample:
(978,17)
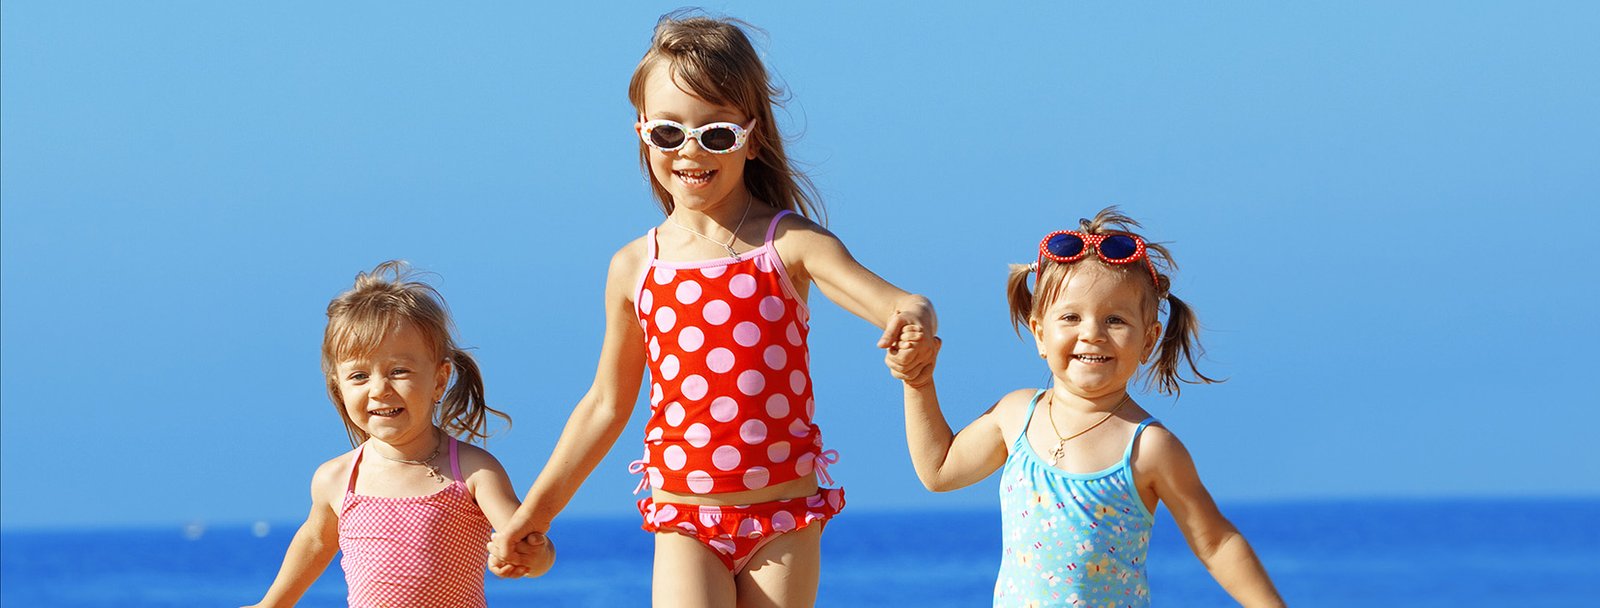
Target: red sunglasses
(1068,246)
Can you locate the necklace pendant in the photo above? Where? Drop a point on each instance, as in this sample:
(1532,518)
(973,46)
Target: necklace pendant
(731,253)
(1059,453)
(433,472)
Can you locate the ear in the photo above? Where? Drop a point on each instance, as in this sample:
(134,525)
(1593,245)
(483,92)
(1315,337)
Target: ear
(1151,339)
(1038,335)
(443,375)
(752,142)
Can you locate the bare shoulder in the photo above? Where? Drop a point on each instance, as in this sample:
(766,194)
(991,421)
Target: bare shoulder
(796,231)
(630,258)
(331,477)
(1008,413)
(474,459)
(1159,450)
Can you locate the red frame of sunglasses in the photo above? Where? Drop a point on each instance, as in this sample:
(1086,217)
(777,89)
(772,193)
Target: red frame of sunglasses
(1092,241)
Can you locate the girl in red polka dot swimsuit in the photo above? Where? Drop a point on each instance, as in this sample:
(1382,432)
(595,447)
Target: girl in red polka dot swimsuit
(713,303)
(411,506)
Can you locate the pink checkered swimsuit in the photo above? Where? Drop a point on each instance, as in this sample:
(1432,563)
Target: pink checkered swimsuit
(415,550)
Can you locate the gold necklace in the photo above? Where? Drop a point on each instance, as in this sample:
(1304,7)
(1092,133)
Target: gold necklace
(731,236)
(433,471)
(1061,442)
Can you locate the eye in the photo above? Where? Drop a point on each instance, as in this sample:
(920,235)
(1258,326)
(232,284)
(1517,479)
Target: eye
(1071,317)
(357,377)
(1116,321)
(399,372)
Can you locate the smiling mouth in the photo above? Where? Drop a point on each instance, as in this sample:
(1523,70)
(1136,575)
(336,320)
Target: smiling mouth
(388,413)
(1092,358)
(695,178)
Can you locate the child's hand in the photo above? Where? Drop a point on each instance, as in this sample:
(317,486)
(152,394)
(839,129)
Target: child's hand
(912,355)
(531,556)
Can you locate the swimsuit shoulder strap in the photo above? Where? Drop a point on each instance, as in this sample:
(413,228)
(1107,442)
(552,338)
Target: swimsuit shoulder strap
(1028,417)
(455,463)
(355,462)
(773,227)
(1127,454)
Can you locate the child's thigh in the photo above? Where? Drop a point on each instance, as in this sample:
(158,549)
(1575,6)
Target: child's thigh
(784,572)
(688,574)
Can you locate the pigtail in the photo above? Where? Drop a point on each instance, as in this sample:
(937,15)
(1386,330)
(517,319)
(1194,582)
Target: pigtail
(1179,346)
(463,412)
(1018,297)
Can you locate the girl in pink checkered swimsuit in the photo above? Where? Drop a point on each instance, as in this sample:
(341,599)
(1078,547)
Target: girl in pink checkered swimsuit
(713,304)
(411,507)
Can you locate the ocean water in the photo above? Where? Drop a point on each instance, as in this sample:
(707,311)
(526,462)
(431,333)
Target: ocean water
(1416,553)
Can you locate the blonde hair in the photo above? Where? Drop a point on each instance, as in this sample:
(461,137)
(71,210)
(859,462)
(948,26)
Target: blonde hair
(362,318)
(714,60)
(1180,343)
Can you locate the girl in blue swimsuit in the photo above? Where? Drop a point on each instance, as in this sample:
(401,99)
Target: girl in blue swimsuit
(1082,464)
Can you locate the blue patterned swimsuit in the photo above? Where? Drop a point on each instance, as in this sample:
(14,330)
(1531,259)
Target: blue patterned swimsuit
(1071,539)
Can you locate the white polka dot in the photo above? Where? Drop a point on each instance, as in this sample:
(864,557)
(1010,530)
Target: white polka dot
(720,545)
(688,292)
(687,527)
(726,458)
(771,308)
(654,435)
(712,272)
(669,367)
(724,409)
(763,263)
(719,360)
(751,382)
(797,381)
(777,405)
(664,275)
(756,478)
(709,515)
(746,334)
(655,349)
(716,312)
(753,432)
(656,480)
(748,527)
(742,285)
(811,408)
(645,299)
(804,465)
(698,435)
(691,339)
(665,512)
(674,414)
(835,500)
(775,356)
(674,457)
(666,318)
(793,334)
(655,394)
(699,482)
(694,387)
(799,428)
(782,521)
(778,451)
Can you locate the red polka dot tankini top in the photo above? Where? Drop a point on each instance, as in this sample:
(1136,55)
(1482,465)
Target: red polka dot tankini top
(730,391)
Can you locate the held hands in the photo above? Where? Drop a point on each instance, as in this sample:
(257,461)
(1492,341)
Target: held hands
(912,355)
(532,556)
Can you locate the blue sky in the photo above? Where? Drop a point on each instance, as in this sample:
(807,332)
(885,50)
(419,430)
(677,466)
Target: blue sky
(1382,214)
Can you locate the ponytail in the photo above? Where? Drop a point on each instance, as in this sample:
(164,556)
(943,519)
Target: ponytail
(463,411)
(1018,297)
(1179,345)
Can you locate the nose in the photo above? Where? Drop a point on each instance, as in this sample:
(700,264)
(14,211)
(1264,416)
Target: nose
(691,147)
(1092,331)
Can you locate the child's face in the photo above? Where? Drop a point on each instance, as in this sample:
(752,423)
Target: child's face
(390,393)
(696,178)
(1097,331)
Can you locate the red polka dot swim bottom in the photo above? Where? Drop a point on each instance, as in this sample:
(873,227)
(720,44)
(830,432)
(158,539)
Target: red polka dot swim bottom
(735,532)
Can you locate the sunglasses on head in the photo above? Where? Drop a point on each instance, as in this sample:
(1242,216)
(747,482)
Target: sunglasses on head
(1068,246)
(716,138)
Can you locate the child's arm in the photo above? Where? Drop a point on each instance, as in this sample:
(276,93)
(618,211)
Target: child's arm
(943,461)
(491,488)
(1214,539)
(825,260)
(599,417)
(316,542)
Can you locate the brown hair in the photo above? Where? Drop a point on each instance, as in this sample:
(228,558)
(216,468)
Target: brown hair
(1180,343)
(361,318)
(714,60)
